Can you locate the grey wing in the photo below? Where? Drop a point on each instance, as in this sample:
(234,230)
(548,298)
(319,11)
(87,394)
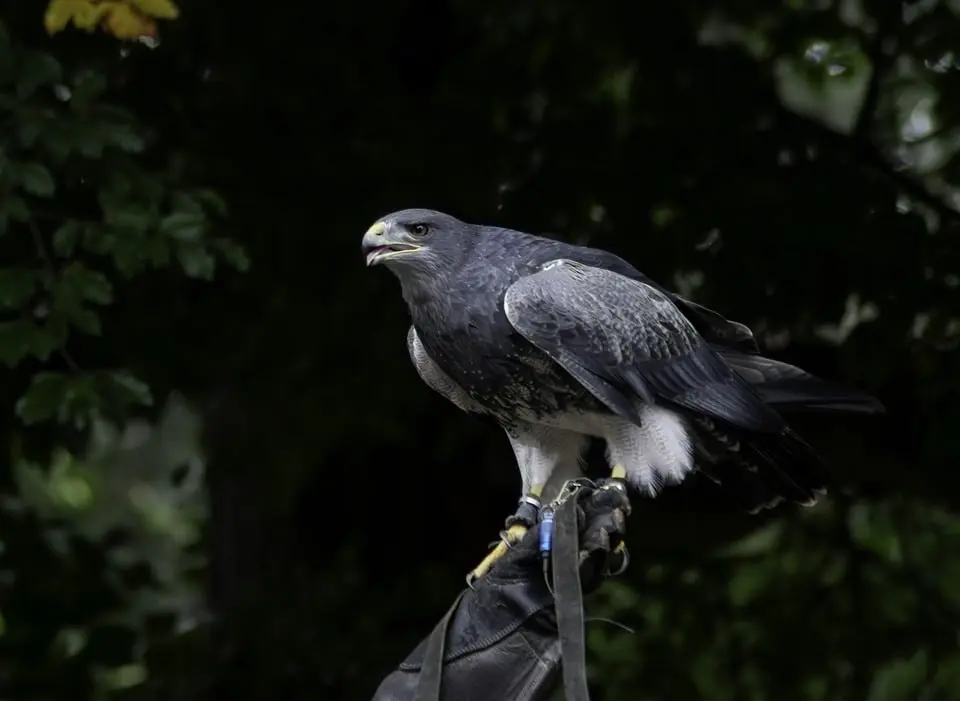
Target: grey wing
(786,386)
(711,325)
(434,377)
(627,343)
(715,328)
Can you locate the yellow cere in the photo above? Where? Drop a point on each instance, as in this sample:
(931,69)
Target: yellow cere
(377,229)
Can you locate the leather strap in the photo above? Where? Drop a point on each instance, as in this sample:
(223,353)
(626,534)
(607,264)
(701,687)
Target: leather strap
(568,595)
(431,673)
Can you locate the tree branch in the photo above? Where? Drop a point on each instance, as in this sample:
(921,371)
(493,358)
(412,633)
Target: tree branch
(869,156)
(881,55)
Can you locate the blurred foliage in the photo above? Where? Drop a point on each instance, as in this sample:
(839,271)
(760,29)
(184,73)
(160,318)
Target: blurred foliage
(235,485)
(124,20)
(140,493)
(106,211)
(786,608)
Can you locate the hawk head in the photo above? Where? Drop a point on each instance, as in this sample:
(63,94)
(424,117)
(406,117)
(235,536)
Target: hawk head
(420,246)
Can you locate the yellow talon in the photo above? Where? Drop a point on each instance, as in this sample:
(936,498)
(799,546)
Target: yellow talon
(618,473)
(512,535)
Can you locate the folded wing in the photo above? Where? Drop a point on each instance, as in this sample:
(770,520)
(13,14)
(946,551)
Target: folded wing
(627,343)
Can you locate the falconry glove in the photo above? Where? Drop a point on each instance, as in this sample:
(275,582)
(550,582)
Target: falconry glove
(500,639)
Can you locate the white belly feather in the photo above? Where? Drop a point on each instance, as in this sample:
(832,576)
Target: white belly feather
(654,454)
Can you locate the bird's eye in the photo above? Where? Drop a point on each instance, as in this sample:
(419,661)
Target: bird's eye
(419,230)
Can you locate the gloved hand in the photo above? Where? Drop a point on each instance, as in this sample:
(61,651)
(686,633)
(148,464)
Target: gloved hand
(501,640)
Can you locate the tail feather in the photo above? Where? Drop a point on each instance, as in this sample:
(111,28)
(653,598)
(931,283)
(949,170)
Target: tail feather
(797,467)
(788,388)
(761,471)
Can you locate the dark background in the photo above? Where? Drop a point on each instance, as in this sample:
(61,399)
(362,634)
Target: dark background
(285,509)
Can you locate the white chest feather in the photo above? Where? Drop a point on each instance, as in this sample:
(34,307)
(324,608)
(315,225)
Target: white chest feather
(435,378)
(656,453)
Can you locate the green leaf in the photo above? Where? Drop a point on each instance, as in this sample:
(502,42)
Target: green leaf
(85,284)
(47,393)
(92,148)
(51,336)
(23,338)
(76,285)
(184,226)
(84,319)
(748,583)
(902,680)
(212,201)
(126,138)
(760,541)
(73,491)
(97,239)
(15,208)
(123,389)
(16,341)
(196,261)
(17,286)
(69,642)
(873,528)
(69,399)
(36,179)
(87,87)
(28,130)
(66,237)
(184,202)
(125,677)
(128,257)
(37,69)
(233,253)
(120,212)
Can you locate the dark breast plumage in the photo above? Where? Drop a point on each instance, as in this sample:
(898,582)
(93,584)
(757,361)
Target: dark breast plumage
(470,338)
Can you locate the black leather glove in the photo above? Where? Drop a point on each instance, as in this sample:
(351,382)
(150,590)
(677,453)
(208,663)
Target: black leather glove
(501,640)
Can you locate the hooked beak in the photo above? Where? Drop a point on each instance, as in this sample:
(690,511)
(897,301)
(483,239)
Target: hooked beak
(381,243)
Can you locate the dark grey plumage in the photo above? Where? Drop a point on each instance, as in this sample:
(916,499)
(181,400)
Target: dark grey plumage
(560,342)
(621,339)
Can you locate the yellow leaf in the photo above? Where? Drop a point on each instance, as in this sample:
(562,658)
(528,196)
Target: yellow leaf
(161,9)
(91,14)
(126,23)
(59,13)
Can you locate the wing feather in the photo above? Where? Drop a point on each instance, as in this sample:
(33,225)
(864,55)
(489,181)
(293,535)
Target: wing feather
(625,341)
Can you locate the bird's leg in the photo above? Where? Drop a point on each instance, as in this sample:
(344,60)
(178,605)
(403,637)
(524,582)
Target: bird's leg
(542,453)
(617,480)
(517,525)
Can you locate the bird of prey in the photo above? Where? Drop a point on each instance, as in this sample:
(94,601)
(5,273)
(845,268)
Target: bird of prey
(560,343)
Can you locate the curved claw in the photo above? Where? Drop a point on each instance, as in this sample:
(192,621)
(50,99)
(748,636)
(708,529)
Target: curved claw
(622,548)
(518,520)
